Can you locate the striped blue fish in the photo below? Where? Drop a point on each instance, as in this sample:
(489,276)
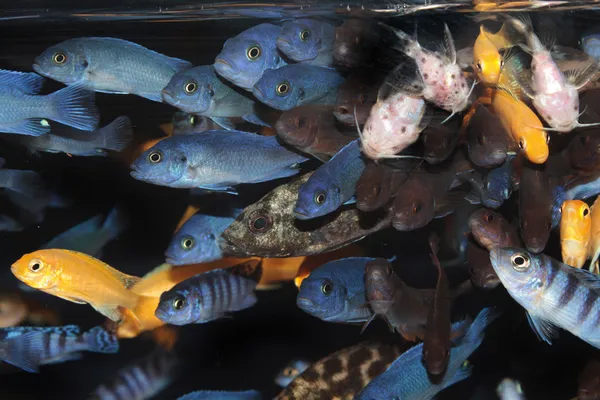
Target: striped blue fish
(29,347)
(210,295)
(553,294)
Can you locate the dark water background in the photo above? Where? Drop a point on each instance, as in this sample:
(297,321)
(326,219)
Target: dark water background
(246,351)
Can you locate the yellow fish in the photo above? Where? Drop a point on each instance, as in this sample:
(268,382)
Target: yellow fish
(487,60)
(79,278)
(595,236)
(575,231)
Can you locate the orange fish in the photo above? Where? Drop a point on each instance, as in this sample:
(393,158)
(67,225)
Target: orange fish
(575,231)
(166,336)
(487,60)
(595,236)
(79,278)
(16,310)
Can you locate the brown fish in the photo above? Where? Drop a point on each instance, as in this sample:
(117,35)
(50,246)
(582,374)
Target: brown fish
(440,140)
(491,230)
(343,374)
(487,141)
(356,96)
(480,268)
(378,184)
(355,42)
(589,381)
(535,207)
(312,129)
(268,228)
(583,151)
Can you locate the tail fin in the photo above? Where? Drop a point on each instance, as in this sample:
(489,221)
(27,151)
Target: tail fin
(19,351)
(116,222)
(474,335)
(74,106)
(116,135)
(28,183)
(99,340)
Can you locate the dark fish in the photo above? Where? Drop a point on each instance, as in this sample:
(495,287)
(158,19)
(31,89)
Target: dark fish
(378,184)
(312,129)
(589,381)
(491,230)
(188,124)
(583,151)
(355,42)
(268,228)
(341,375)
(494,188)
(480,268)
(535,208)
(440,141)
(356,96)
(487,141)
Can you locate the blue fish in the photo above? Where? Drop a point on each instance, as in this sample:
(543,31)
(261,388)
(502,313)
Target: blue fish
(332,184)
(91,236)
(189,124)
(25,111)
(109,65)
(495,188)
(292,370)
(407,377)
(29,347)
(308,41)
(297,84)
(591,45)
(246,56)
(9,224)
(26,183)
(222,395)
(200,91)
(335,291)
(215,160)
(197,239)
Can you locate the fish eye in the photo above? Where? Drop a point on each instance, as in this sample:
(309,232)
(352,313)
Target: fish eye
(520,261)
(36,265)
(59,58)
(300,122)
(522,144)
(192,120)
(178,303)
(416,208)
(187,243)
(479,66)
(327,288)
(259,223)
(489,217)
(304,35)
(481,139)
(585,211)
(320,197)
(190,87)
(253,53)
(282,88)
(289,371)
(155,157)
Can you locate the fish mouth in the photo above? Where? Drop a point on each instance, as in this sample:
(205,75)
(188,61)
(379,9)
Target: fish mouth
(37,67)
(135,173)
(224,66)
(301,214)
(283,43)
(161,314)
(258,93)
(168,97)
(305,304)
(228,247)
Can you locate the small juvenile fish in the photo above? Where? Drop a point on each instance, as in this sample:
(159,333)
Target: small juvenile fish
(407,378)
(109,65)
(312,130)
(594,247)
(78,278)
(201,92)
(553,294)
(335,291)
(488,142)
(91,236)
(491,230)
(589,381)
(296,85)
(331,185)
(197,240)
(9,224)
(308,41)
(356,96)
(215,160)
(343,374)
(210,295)
(440,141)
(222,395)
(112,137)
(29,347)
(535,208)
(268,228)
(480,268)
(378,184)
(487,59)
(509,389)
(291,372)
(25,111)
(140,380)
(575,232)
(246,56)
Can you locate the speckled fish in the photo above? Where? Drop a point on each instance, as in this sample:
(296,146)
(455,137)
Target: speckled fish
(291,372)
(92,235)
(112,137)
(509,389)
(594,246)
(554,95)
(197,240)
(407,378)
(200,91)
(308,41)
(441,80)
(553,294)
(222,395)
(341,375)
(210,295)
(9,224)
(535,208)
(297,84)
(589,381)
(109,65)
(356,96)
(488,142)
(335,292)
(215,160)
(25,111)
(491,230)
(29,347)
(269,228)
(378,184)
(78,278)
(440,141)
(247,56)
(140,380)
(331,185)
(575,232)
(312,130)
(480,268)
